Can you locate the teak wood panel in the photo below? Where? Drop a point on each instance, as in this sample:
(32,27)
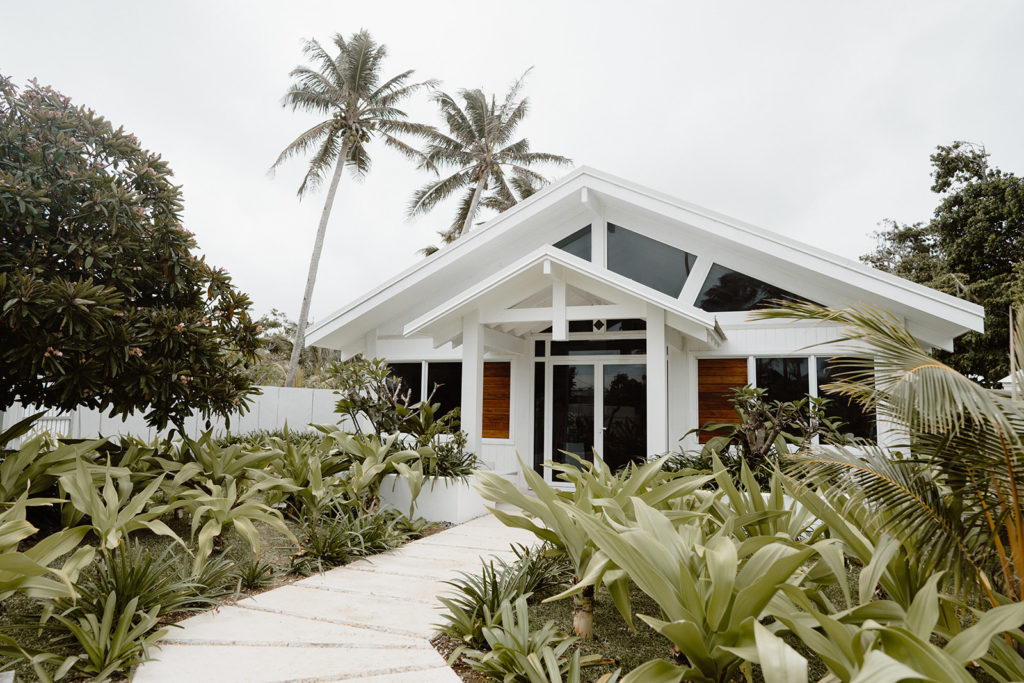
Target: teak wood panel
(497,400)
(716,377)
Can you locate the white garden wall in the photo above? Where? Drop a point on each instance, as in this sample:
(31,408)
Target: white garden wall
(277,406)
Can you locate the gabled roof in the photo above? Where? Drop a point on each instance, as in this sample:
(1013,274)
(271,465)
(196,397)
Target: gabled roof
(538,266)
(584,194)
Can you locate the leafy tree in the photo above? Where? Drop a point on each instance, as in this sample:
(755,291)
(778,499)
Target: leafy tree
(104,304)
(359,106)
(481,149)
(972,248)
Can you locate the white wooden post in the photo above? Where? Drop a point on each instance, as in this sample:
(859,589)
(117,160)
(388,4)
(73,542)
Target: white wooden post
(657,382)
(472,380)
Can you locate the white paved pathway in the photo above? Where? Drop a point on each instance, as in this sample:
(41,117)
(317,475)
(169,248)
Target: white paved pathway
(368,621)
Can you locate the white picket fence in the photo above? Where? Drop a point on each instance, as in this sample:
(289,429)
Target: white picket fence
(276,407)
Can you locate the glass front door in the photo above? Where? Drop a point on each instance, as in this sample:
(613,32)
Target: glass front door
(615,391)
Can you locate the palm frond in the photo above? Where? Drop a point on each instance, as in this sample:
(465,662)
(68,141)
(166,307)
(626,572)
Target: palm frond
(428,196)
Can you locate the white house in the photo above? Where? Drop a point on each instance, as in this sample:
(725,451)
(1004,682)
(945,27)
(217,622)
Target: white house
(603,315)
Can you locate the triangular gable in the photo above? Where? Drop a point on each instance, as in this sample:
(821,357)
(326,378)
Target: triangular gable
(587,197)
(498,299)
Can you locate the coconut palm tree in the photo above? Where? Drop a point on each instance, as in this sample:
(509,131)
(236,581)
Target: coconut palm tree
(481,148)
(953,492)
(359,106)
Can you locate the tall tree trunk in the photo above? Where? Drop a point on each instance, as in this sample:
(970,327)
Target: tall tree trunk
(314,263)
(474,205)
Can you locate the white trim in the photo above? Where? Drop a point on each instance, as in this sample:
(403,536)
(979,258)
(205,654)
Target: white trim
(604,188)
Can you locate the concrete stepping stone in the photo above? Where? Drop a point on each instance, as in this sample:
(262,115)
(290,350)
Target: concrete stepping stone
(367,622)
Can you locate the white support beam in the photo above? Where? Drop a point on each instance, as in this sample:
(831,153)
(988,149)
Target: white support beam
(370,344)
(695,280)
(502,341)
(657,382)
(689,327)
(675,338)
(544,314)
(599,242)
(472,381)
(446,333)
(559,321)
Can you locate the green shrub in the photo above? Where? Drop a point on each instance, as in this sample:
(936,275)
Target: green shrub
(212,579)
(476,600)
(254,573)
(133,572)
(515,653)
(112,640)
(332,540)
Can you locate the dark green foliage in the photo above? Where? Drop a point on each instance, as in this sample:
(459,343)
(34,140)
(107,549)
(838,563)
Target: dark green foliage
(766,428)
(132,571)
(213,579)
(332,540)
(972,248)
(475,602)
(254,573)
(104,304)
(374,401)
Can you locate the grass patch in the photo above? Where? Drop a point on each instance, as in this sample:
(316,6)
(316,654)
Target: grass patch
(613,639)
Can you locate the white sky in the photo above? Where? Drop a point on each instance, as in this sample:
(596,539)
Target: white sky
(812,119)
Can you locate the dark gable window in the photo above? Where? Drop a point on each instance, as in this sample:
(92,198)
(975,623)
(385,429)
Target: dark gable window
(858,421)
(726,290)
(577,244)
(445,380)
(783,379)
(599,347)
(410,376)
(648,261)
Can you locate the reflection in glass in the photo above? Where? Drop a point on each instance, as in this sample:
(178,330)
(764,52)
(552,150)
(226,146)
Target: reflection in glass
(599,347)
(856,419)
(727,290)
(648,261)
(625,415)
(783,379)
(445,379)
(572,412)
(538,417)
(410,377)
(577,244)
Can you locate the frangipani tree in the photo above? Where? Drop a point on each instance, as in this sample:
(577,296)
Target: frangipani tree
(360,105)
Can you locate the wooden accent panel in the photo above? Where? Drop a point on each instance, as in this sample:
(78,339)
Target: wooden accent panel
(497,400)
(715,378)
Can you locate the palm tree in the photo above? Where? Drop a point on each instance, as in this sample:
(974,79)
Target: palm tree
(953,492)
(481,149)
(359,106)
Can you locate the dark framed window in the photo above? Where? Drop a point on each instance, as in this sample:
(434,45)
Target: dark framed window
(626,324)
(783,379)
(539,348)
(445,380)
(857,420)
(648,261)
(538,418)
(725,289)
(599,347)
(410,377)
(577,244)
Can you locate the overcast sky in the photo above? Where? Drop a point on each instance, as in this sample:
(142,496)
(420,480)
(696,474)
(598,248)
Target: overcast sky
(812,119)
